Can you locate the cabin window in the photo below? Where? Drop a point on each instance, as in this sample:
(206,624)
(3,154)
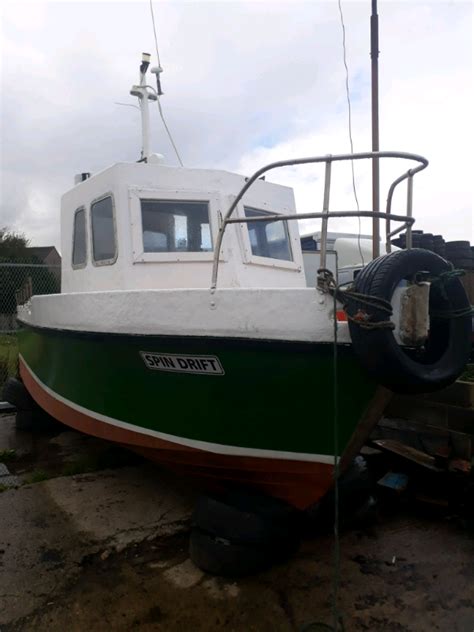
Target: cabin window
(104,244)
(79,243)
(268,239)
(175,226)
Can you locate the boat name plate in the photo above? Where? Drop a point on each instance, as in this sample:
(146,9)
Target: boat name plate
(209,365)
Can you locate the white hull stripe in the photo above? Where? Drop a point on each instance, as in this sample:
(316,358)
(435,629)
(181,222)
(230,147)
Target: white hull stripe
(216,448)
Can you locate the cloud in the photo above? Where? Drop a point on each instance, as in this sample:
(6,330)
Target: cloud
(245,84)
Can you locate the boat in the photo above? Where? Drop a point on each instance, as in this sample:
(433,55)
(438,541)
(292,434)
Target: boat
(186,329)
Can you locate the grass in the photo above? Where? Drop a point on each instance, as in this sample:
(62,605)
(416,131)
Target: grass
(111,457)
(468,375)
(8,356)
(3,488)
(80,466)
(7,455)
(37,476)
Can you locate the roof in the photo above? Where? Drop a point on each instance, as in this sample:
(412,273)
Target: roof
(41,252)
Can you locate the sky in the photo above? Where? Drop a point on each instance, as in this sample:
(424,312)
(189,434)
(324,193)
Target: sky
(245,83)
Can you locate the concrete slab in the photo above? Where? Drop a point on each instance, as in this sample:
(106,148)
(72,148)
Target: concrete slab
(6,407)
(410,575)
(49,528)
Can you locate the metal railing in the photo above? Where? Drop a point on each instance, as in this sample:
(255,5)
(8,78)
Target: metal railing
(407,219)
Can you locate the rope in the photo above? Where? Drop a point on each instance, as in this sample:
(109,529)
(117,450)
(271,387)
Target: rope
(449,274)
(337,616)
(338,622)
(442,279)
(326,283)
(364,323)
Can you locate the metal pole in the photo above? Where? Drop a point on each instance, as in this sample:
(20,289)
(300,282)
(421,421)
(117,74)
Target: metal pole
(409,243)
(145,116)
(324,224)
(141,91)
(374,55)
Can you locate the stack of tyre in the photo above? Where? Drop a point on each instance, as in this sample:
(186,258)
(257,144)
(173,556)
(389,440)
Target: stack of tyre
(427,241)
(239,533)
(459,253)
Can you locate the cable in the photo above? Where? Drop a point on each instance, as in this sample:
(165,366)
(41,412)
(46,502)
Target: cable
(160,109)
(338,621)
(154,31)
(349,112)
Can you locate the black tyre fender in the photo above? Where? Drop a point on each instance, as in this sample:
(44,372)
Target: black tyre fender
(447,351)
(247,519)
(219,556)
(15,392)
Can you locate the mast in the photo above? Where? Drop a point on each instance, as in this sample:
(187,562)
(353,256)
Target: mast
(141,91)
(374,55)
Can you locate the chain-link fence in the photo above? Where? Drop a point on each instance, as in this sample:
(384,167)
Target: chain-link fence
(18,282)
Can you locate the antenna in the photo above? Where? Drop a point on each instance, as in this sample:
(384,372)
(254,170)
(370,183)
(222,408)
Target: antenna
(157,70)
(141,91)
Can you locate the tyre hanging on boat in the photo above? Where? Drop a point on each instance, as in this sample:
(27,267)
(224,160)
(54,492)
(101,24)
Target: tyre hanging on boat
(410,369)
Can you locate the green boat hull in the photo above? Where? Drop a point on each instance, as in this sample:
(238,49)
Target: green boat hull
(270,400)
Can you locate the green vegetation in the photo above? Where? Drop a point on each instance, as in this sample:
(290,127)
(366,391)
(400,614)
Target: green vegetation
(37,476)
(80,466)
(13,246)
(7,455)
(110,458)
(3,488)
(8,357)
(31,279)
(468,375)
(8,348)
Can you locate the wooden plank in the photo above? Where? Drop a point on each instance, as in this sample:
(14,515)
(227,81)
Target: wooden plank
(367,423)
(458,394)
(409,453)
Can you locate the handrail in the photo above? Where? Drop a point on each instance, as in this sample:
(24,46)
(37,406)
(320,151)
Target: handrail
(325,215)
